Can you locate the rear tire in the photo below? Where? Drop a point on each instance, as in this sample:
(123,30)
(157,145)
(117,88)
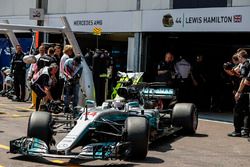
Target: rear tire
(185,115)
(138,134)
(39,126)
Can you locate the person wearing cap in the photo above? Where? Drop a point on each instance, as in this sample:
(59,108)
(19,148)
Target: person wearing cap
(72,73)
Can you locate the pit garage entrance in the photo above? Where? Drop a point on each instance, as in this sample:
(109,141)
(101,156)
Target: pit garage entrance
(216,48)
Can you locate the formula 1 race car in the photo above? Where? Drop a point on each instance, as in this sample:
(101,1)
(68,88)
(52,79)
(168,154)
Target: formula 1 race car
(108,131)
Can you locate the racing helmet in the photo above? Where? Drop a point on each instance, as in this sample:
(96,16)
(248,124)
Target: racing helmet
(118,104)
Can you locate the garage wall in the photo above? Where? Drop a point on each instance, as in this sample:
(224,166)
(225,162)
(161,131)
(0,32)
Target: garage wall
(59,6)
(16,7)
(76,6)
(155,4)
(122,5)
(21,7)
(240,2)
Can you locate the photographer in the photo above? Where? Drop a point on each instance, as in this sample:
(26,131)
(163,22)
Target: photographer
(232,69)
(72,72)
(241,109)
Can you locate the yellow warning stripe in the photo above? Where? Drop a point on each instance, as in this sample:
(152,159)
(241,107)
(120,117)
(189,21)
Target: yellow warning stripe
(65,163)
(14,116)
(26,109)
(20,108)
(58,161)
(8,148)
(4,147)
(19,116)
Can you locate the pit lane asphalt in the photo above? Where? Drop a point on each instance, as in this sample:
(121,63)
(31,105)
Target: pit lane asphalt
(210,146)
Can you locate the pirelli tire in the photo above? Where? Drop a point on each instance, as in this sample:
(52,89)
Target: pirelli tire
(185,115)
(137,129)
(40,126)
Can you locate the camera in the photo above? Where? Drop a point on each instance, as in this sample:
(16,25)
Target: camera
(228,66)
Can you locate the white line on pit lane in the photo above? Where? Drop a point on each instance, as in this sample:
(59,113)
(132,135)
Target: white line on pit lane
(222,122)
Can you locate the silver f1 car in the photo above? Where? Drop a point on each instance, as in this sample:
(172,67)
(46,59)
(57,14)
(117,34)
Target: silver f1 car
(111,131)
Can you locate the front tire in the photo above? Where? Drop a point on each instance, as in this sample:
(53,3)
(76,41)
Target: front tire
(138,134)
(185,115)
(39,126)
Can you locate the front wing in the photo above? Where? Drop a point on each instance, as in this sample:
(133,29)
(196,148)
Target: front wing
(36,147)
